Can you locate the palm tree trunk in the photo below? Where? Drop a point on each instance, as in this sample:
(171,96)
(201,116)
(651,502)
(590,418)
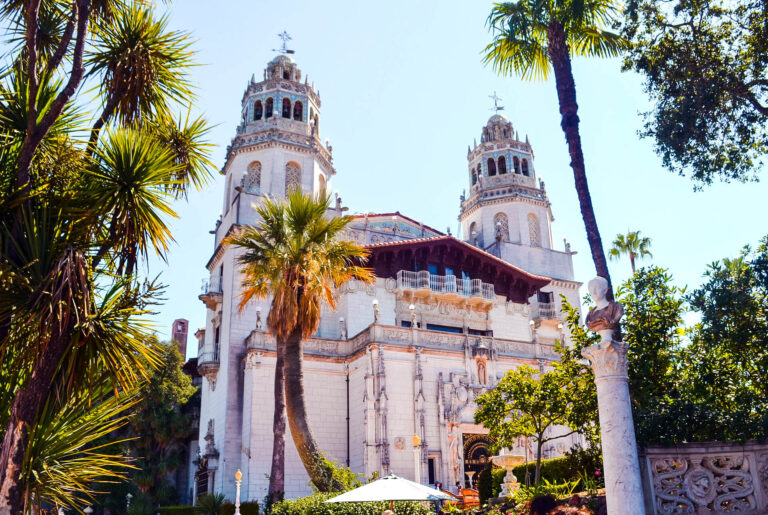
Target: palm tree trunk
(24,411)
(632,261)
(317,466)
(277,472)
(559,55)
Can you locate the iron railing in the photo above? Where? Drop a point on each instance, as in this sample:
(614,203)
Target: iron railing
(444,284)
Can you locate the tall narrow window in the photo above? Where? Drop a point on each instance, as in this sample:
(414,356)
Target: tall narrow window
(533,230)
(501,226)
(292,177)
(321,185)
(491,167)
(258,110)
(482,374)
(474,177)
(525,168)
(516,163)
(286,108)
(298,111)
(502,165)
(252,178)
(286,75)
(269,107)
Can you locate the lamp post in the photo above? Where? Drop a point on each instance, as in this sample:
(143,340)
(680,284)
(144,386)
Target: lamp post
(416,461)
(128,498)
(238,482)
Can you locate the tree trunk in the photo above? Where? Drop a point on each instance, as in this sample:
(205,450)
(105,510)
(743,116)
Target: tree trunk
(24,411)
(277,472)
(632,261)
(559,55)
(538,460)
(317,466)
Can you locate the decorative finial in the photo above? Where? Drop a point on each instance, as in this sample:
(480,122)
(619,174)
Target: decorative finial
(284,47)
(496,107)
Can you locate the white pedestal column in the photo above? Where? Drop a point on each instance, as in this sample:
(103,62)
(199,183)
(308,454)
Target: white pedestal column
(623,487)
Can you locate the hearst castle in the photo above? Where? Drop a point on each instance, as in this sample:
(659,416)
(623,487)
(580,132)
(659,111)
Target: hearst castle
(407,355)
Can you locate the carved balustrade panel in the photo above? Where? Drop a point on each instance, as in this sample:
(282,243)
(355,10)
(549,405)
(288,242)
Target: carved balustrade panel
(706,478)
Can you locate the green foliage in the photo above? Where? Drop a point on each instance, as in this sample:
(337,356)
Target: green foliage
(564,469)
(704,64)
(210,504)
(631,244)
(159,427)
(177,510)
(489,482)
(314,505)
(246,508)
(558,490)
(520,44)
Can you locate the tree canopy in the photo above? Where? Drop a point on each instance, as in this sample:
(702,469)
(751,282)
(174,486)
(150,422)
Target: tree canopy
(704,64)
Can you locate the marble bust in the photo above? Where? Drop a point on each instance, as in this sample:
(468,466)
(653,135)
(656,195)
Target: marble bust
(606,314)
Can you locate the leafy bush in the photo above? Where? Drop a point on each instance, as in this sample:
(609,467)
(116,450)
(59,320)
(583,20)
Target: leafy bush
(178,510)
(246,508)
(567,468)
(210,504)
(314,505)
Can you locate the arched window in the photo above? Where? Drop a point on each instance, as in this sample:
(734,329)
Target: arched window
(292,177)
(491,167)
(533,230)
(501,226)
(268,108)
(298,111)
(516,163)
(525,168)
(228,196)
(321,185)
(474,177)
(474,236)
(286,108)
(252,178)
(258,110)
(502,165)
(286,75)
(317,124)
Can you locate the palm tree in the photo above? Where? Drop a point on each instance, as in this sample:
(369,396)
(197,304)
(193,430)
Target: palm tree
(294,255)
(534,37)
(633,245)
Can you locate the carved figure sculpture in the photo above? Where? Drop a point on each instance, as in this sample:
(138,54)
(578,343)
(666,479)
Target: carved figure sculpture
(606,314)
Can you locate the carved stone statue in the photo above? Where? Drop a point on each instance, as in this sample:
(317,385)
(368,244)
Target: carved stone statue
(606,314)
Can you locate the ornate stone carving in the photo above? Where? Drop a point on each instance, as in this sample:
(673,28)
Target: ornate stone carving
(253,360)
(609,359)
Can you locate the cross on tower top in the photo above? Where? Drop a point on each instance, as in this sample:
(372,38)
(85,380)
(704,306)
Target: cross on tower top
(284,47)
(496,107)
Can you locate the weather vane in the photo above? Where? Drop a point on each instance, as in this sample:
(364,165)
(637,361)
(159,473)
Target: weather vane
(284,48)
(496,107)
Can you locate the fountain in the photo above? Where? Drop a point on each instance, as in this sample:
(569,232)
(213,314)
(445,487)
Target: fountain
(508,461)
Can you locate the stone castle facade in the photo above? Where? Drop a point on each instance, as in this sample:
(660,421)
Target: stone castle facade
(407,355)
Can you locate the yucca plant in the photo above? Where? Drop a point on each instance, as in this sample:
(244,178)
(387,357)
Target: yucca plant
(78,218)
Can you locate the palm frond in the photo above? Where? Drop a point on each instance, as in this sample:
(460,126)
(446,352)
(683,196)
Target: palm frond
(594,42)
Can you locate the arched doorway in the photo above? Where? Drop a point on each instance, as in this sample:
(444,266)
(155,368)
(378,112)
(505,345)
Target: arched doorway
(476,457)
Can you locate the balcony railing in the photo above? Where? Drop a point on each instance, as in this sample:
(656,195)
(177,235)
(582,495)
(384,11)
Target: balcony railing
(212,285)
(546,310)
(445,284)
(208,356)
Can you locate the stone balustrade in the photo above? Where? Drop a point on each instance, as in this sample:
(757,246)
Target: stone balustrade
(710,477)
(406,337)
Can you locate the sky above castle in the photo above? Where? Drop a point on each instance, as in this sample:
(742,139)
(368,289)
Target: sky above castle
(404,92)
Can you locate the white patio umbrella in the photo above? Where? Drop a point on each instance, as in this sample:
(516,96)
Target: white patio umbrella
(392,488)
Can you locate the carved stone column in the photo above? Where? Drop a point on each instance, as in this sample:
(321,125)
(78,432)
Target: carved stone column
(623,487)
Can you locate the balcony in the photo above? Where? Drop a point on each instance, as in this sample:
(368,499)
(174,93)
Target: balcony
(545,311)
(211,293)
(208,365)
(424,284)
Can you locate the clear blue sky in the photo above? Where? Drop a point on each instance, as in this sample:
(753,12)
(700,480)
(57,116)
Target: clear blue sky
(404,92)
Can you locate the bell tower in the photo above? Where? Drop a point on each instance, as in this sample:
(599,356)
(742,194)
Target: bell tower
(277,145)
(507,212)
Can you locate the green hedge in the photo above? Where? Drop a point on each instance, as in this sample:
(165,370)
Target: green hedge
(557,470)
(489,482)
(313,505)
(177,510)
(246,508)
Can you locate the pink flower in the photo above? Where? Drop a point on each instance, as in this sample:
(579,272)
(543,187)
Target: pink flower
(597,472)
